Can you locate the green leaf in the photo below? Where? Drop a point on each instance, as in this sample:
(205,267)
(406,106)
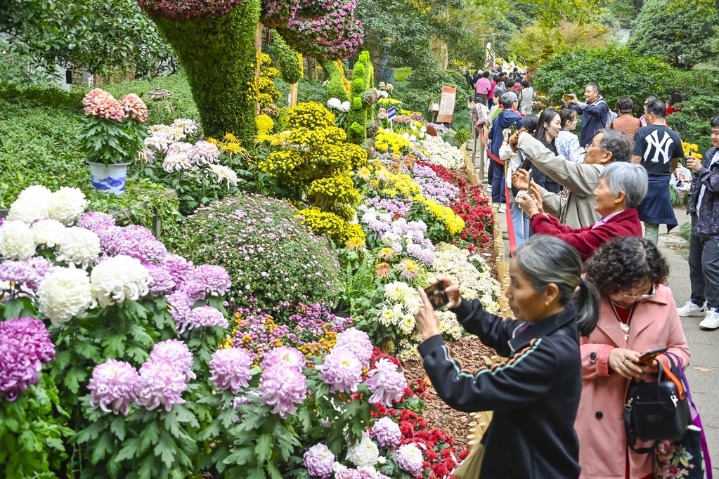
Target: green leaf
(256,473)
(165,450)
(240,456)
(264,448)
(73,378)
(101,447)
(117,426)
(130,450)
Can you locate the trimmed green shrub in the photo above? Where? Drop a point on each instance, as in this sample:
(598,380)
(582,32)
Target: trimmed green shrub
(287,59)
(618,71)
(402,74)
(267,251)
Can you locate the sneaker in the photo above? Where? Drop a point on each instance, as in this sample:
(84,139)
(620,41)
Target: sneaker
(502,208)
(711,321)
(691,309)
(496,205)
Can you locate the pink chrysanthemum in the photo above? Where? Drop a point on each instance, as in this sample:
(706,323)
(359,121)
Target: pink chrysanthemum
(113,386)
(161,385)
(162,280)
(342,371)
(175,353)
(95,221)
(319,461)
(358,342)
(386,382)
(387,432)
(230,369)
(102,104)
(134,107)
(284,388)
(205,317)
(24,345)
(287,357)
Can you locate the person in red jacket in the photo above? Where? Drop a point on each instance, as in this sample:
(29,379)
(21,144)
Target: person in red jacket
(622,186)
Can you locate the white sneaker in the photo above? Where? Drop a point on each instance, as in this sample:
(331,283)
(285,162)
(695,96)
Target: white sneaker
(502,208)
(691,309)
(496,206)
(711,321)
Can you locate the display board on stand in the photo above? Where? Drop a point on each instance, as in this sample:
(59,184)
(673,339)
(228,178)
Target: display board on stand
(446,104)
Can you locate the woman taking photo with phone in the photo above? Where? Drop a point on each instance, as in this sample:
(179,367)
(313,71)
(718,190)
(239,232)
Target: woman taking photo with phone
(637,314)
(535,393)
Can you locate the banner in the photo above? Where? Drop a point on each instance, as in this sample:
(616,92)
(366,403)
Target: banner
(446,104)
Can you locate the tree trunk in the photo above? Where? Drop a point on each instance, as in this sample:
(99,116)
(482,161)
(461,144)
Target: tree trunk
(219,57)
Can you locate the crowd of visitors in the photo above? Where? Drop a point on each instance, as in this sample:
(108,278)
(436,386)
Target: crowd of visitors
(587,284)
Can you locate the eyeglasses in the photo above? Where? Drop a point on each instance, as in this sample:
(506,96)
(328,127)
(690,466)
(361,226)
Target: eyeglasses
(636,297)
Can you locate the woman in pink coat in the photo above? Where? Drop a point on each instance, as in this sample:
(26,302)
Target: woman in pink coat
(637,314)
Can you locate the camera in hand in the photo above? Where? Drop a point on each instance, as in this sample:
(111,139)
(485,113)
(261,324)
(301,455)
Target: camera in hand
(436,295)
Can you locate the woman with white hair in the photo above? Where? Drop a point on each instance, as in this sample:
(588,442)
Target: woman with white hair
(622,187)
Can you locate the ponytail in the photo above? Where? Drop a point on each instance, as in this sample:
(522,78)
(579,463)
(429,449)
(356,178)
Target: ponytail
(586,300)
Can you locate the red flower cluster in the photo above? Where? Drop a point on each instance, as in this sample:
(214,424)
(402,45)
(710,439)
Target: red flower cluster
(472,205)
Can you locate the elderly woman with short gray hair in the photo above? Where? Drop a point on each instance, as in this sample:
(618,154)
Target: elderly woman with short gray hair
(622,186)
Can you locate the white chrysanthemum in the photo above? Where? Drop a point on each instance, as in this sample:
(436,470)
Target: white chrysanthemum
(16,241)
(119,278)
(363,453)
(30,205)
(178,162)
(395,291)
(224,174)
(386,317)
(187,126)
(407,324)
(67,205)
(64,294)
(158,142)
(174,133)
(334,103)
(449,326)
(78,246)
(345,106)
(47,232)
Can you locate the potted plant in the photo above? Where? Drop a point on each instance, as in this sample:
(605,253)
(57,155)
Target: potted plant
(112,133)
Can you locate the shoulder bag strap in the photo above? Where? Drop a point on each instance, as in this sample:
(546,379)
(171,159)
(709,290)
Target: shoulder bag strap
(696,419)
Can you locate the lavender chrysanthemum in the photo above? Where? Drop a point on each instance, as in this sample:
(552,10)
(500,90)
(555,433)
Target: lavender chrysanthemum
(358,342)
(205,317)
(289,358)
(24,345)
(410,459)
(387,432)
(386,382)
(162,280)
(342,371)
(179,267)
(113,386)
(42,267)
(175,353)
(319,461)
(283,388)
(135,241)
(207,279)
(161,385)
(180,306)
(95,221)
(230,369)
(18,272)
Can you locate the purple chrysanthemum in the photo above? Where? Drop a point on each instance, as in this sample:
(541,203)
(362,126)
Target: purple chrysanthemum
(179,267)
(180,306)
(358,342)
(17,272)
(319,461)
(386,382)
(387,432)
(135,241)
(162,280)
(410,459)
(283,388)
(24,345)
(175,353)
(287,357)
(206,317)
(95,221)
(342,371)
(41,267)
(161,384)
(230,369)
(113,386)
(207,279)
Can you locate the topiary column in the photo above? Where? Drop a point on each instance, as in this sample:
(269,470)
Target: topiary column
(218,55)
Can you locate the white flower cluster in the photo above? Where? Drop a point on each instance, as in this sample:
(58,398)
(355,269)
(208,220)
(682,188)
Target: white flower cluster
(47,232)
(64,293)
(16,241)
(401,303)
(382,94)
(38,203)
(363,453)
(336,104)
(442,153)
(119,278)
(470,272)
(78,246)
(224,174)
(178,157)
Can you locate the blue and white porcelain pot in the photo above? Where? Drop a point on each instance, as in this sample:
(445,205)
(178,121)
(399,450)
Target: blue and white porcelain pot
(109,178)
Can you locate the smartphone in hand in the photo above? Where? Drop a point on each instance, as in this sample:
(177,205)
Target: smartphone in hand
(436,295)
(648,358)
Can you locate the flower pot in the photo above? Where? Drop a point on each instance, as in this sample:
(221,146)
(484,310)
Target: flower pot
(109,178)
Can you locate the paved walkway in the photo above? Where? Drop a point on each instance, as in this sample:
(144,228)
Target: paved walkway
(703,372)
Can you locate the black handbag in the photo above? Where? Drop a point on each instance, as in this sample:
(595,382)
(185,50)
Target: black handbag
(656,411)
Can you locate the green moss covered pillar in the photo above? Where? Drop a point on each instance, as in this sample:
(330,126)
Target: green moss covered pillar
(218,56)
